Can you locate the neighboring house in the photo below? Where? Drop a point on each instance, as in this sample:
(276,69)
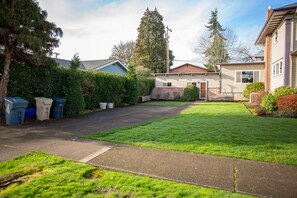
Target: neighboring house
(170,85)
(235,77)
(280,40)
(279,36)
(107,65)
(188,68)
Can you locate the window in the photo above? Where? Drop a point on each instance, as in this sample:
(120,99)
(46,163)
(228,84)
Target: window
(168,84)
(247,76)
(277,68)
(275,37)
(274,70)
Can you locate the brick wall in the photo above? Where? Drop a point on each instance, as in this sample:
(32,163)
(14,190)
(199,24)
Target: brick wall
(256,97)
(166,93)
(213,91)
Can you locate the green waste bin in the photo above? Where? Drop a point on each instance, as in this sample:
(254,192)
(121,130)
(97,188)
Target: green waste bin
(15,110)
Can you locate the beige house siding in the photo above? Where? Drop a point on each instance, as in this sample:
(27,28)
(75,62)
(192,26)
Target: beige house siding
(277,56)
(229,86)
(182,80)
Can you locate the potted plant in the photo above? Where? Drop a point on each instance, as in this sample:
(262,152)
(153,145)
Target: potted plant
(110,105)
(102,105)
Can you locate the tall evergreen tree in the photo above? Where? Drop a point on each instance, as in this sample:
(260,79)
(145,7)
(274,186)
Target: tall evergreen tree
(216,52)
(75,62)
(25,34)
(150,44)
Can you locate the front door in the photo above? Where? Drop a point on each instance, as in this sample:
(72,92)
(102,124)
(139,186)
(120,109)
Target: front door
(203,90)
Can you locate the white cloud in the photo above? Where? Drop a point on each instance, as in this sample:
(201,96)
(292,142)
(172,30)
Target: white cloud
(91,28)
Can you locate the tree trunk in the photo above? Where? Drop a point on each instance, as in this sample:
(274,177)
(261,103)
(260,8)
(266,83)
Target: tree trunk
(5,79)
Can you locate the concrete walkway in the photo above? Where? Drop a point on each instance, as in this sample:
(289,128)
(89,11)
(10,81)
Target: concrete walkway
(60,137)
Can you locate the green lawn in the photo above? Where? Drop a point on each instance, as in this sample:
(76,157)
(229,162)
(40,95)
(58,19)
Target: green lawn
(41,175)
(222,129)
(167,103)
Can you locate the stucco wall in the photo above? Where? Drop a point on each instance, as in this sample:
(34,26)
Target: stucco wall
(228,77)
(188,68)
(277,54)
(183,80)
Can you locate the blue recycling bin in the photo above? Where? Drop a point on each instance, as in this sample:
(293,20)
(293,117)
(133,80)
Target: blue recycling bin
(15,110)
(57,109)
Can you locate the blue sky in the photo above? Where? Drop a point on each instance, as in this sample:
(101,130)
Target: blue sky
(92,27)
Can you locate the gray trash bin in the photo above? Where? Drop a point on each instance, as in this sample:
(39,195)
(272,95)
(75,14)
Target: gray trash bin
(15,110)
(43,107)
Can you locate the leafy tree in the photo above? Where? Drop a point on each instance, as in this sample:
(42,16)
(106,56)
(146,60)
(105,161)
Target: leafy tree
(75,62)
(216,52)
(123,52)
(150,44)
(26,35)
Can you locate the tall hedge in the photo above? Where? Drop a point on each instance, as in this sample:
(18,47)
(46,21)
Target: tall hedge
(146,85)
(82,89)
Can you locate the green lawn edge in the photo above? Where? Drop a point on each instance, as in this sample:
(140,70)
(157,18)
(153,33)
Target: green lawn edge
(219,129)
(38,174)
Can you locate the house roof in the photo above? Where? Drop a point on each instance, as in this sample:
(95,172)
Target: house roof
(100,64)
(275,18)
(188,64)
(243,63)
(187,74)
(177,64)
(67,63)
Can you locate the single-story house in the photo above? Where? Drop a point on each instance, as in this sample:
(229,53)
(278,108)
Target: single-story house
(170,85)
(235,77)
(106,65)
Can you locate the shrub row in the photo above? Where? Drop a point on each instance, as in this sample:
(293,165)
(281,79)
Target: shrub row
(82,89)
(269,101)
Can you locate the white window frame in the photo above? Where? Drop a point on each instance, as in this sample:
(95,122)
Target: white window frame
(278,68)
(235,74)
(276,37)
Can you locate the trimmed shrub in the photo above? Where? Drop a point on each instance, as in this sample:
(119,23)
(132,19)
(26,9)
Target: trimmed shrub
(288,102)
(190,93)
(295,90)
(253,87)
(282,91)
(268,102)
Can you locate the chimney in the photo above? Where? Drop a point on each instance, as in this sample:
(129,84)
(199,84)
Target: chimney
(268,13)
